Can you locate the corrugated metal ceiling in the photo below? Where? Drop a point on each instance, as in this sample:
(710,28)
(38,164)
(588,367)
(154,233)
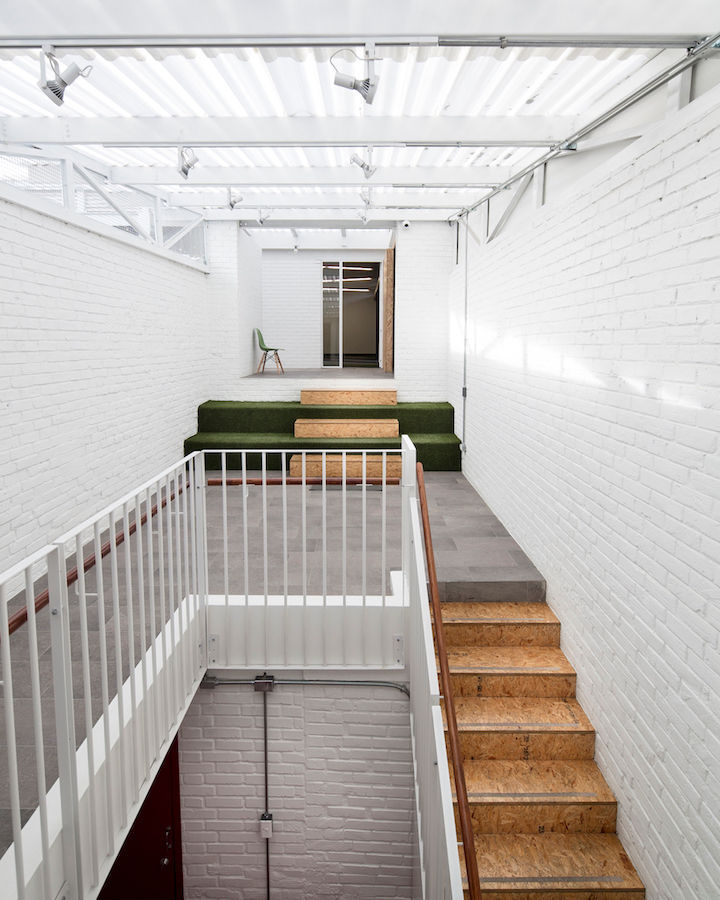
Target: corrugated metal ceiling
(286,83)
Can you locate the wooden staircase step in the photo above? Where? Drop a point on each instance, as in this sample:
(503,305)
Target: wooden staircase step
(508,671)
(495,624)
(539,796)
(348,398)
(353,466)
(346,428)
(539,728)
(554,867)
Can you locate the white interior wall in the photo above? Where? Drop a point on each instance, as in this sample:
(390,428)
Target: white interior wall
(341,794)
(424,258)
(107,351)
(592,432)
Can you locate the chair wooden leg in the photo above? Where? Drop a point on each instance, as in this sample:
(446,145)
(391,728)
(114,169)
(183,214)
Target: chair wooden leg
(278,363)
(261,364)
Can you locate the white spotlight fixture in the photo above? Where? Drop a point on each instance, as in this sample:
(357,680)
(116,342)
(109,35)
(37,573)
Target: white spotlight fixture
(186,160)
(55,87)
(367,169)
(367,86)
(233,198)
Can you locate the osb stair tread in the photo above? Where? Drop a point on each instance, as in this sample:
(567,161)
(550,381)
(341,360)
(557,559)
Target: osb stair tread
(501,613)
(541,781)
(550,865)
(509,660)
(520,714)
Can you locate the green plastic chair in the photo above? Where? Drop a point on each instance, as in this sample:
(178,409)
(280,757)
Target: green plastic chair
(265,350)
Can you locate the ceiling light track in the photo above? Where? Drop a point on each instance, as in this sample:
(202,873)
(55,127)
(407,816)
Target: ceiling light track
(103,42)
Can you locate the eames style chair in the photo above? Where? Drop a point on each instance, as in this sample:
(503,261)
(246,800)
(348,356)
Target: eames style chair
(265,350)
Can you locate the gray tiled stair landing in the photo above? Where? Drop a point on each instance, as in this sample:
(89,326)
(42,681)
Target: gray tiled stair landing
(475,556)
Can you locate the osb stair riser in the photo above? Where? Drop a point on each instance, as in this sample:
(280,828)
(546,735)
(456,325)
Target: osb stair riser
(348,398)
(510,672)
(462,634)
(346,428)
(538,797)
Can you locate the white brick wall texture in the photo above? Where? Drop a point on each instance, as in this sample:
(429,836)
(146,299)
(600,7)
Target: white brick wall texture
(593,425)
(424,257)
(107,350)
(341,794)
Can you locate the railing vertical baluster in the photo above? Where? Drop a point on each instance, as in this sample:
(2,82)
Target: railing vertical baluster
(200,543)
(303,471)
(185,545)
(364,556)
(179,596)
(117,637)
(383,527)
(226,571)
(324,555)
(193,500)
(13,774)
(263,458)
(246,558)
(343,628)
(173,668)
(167,688)
(147,754)
(104,689)
(157,734)
(87,706)
(133,725)
(283,463)
(64,717)
(37,731)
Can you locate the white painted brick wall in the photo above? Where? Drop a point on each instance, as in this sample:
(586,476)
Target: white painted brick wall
(107,350)
(341,794)
(424,256)
(592,428)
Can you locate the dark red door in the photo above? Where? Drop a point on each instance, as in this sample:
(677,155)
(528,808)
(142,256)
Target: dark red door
(150,861)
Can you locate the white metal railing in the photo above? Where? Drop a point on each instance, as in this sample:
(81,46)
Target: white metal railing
(58,177)
(437,837)
(300,562)
(125,629)
(264,562)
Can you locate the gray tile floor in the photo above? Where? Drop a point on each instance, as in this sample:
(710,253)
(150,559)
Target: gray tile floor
(475,558)
(320,374)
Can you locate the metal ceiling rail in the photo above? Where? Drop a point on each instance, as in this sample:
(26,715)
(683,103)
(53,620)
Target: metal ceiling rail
(78,42)
(704,48)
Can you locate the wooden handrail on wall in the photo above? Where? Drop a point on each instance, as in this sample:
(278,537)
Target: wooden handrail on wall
(466,831)
(18,619)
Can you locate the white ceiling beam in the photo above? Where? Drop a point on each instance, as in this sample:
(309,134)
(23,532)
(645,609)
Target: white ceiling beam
(395,199)
(331,218)
(317,20)
(270,176)
(342,131)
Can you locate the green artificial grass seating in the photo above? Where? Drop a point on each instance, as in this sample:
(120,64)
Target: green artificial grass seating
(231,425)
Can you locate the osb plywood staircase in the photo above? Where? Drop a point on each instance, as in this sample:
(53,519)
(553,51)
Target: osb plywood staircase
(543,816)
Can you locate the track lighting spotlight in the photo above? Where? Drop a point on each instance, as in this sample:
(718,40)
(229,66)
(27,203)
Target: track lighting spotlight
(233,198)
(367,86)
(186,160)
(368,170)
(55,87)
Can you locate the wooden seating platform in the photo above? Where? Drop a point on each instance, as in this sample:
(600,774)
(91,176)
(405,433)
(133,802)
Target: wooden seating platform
(353,466)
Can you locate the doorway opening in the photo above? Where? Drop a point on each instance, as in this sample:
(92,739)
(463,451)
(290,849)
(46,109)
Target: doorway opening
(352,329)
